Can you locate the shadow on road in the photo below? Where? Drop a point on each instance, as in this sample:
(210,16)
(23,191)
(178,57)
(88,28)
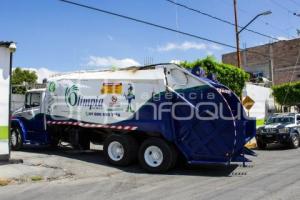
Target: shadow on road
(275,147)
(97,157)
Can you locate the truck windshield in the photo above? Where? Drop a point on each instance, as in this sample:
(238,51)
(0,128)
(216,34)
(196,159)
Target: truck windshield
(273,120)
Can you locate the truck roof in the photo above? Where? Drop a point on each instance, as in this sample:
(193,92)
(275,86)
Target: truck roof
(123,73)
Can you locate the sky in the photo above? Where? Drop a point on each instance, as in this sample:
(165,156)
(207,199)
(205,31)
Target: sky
(53,36)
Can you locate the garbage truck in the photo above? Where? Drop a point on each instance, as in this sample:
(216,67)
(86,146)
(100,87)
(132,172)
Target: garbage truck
(154,114)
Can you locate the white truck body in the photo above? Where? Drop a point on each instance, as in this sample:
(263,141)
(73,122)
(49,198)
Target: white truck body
(104,96)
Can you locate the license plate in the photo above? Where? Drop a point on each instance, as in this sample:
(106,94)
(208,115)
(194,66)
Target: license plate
(269,135)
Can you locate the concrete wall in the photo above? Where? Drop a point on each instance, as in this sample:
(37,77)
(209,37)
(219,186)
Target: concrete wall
(264,101)
(17,101)
(282,54)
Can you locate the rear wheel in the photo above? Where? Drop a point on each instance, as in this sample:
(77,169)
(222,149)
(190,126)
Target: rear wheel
(16,141)
(157,156)
(294,143)
(120,149)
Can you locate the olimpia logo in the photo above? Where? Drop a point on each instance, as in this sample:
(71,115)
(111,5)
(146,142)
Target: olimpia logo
(72,98)
(52,87)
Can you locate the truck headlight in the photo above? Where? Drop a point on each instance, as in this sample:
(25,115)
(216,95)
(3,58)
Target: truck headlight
(284,130)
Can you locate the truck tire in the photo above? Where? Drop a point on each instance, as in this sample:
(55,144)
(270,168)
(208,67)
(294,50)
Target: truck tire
(16,141)
(157,156)
(120,149)
(261,145)
(294,142)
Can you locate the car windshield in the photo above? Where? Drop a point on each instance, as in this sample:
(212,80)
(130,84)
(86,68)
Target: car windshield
(287,119)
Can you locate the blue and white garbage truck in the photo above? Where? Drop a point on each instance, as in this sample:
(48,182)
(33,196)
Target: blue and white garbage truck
(151,114)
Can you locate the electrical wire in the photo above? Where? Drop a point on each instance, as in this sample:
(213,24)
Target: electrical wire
(246,12)
(148,23)
(167,28)
(295,2)
(219,19)
(282,7)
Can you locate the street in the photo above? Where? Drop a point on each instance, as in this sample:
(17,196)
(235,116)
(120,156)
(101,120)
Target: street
(69,174)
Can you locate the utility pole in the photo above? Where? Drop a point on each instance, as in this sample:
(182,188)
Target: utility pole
(237,34)
(271,62)
(237,31)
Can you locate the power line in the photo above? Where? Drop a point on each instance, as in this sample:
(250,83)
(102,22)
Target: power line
(219,19)
(295,2)
(246,12)
(148,23)
(282,7)
(166,28)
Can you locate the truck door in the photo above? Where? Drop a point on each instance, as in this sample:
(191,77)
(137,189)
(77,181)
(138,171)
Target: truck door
(33,118)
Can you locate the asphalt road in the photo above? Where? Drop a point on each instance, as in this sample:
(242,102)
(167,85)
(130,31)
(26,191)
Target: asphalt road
(274,174)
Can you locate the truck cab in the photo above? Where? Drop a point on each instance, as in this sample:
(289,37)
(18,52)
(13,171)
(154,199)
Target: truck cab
(28,122)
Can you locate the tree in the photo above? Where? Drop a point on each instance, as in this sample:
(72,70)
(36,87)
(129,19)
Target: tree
(20,78)
(287,94)
(229,75)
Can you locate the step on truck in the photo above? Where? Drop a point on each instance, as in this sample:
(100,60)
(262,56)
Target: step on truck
(153,114)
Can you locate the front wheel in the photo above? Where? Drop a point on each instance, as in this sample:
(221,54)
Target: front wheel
(261,144)
(294,143)
(16,141)
(157,156)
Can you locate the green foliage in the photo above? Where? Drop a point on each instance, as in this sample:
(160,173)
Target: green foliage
(287,94)
(229,75)
(19,77)
(260,122)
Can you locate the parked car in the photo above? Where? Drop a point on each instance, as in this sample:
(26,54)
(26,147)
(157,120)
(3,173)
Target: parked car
(281,128)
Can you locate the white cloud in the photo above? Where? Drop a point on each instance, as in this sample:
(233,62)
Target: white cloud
(42,73)
(282,38)
(215,47)
(176,61)
(94,61)
(188,46)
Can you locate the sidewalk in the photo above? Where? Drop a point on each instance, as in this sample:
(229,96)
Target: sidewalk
(11,173)
(3,147)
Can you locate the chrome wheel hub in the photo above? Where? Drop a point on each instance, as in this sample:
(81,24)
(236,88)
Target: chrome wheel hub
(153,156)
(115,151)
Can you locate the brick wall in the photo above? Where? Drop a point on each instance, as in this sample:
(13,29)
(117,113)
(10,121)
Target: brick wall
(259,58)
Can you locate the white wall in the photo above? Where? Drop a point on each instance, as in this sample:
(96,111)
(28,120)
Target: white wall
(4,95)
(264,101)
(17,101)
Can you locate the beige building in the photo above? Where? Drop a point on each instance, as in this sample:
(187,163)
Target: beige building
(274,61)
